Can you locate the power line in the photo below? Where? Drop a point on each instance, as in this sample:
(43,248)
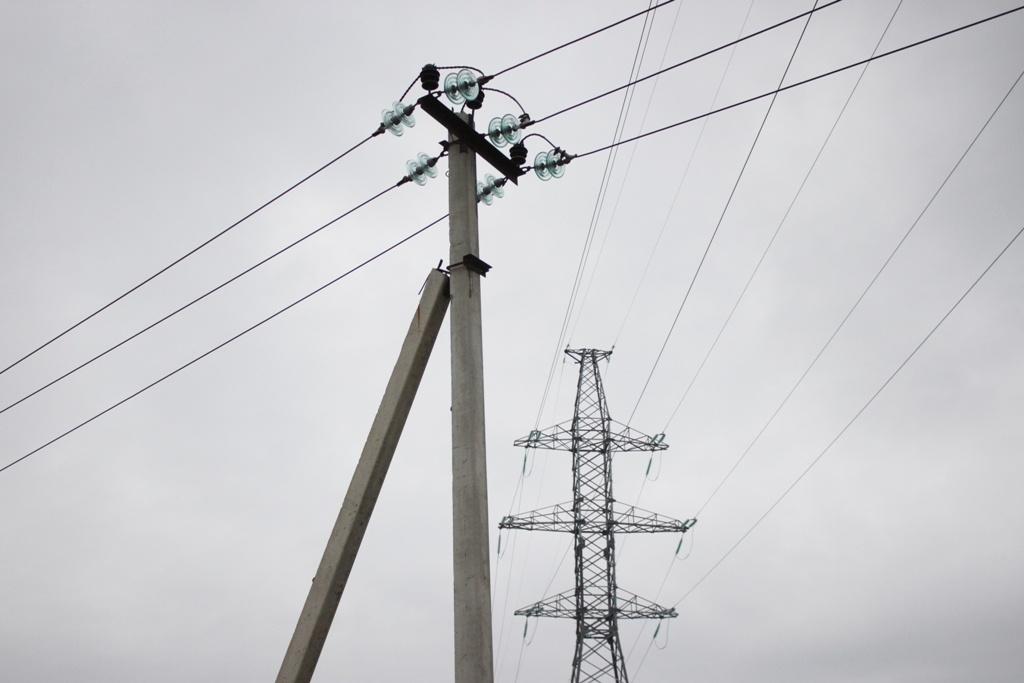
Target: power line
(856,304)
(773,94)
(199,298)
(410,86)
(195,249)
(797,84)
(807,175)
(606,180)
(626,173)
(581,265)
(642,13)
(518,491)
(509,95)
(721,218)
(847,426)
(848,314)
(636,65)
(657,242)
(782,221)
(223,344)
(522,649)
(679,186)
(685,62)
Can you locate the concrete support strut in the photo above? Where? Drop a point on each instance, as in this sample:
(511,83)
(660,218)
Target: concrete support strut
(329,583)
(472,574)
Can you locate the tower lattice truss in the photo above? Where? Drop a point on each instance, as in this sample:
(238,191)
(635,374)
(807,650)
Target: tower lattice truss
(594,518)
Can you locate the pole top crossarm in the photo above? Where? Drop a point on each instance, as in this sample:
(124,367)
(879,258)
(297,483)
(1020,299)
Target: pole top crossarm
(467,135)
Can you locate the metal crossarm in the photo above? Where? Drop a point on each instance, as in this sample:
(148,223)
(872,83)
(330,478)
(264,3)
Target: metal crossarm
(626,519)
(629,519)
(555,518)
(557,438)
(620,439)
(627,606)
(632,606)
(561,606)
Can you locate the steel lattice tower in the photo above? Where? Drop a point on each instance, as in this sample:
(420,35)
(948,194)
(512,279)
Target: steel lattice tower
(594,517)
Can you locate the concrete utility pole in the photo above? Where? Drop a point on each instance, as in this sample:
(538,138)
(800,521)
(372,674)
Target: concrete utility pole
(473,651)
(329,583)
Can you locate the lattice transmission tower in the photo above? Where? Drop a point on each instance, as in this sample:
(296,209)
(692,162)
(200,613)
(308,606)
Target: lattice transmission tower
(594,517)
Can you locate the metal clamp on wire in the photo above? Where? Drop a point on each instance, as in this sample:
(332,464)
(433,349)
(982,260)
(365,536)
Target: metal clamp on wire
(472,263)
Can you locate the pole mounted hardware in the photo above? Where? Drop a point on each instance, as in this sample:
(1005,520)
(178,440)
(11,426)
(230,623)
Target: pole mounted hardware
(473,264)
(551,164)
(421,169)
(490,189)
(397,118)
(463,132)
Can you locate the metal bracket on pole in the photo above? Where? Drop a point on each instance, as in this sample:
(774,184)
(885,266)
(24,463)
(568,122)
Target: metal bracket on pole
(329,583)
(464,132)
(473,263)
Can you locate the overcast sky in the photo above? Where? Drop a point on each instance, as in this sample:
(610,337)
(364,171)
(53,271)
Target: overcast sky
(174,538)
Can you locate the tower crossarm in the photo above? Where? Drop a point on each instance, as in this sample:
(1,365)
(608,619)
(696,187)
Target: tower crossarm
(555,438)
(554,518)
(623,439)
(626,439)
(560,606)
(626,519)
(628,606)
(632,606)
(629,519)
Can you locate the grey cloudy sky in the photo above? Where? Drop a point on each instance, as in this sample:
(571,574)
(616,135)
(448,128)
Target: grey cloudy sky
(174,539)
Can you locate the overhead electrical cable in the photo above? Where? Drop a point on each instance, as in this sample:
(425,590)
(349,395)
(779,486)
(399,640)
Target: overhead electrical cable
(216,348)
(860,298)
(627,173)
(664,225)
(645,479)
(380,130)
(619,131)
(517,494)
(588,239)
(828,447)
(195,249)
(805,81)
(606,178)
(679,186)
(641,13)
(782,222)
(199,298)
(689,60)
(721,218)
(850,312)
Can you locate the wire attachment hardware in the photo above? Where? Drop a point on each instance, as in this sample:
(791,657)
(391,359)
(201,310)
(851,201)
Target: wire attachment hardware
(461,87)
(551,164)
(506,130)
(396,117)
(430,77)
(517,153)
(421,169)
(486,192)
